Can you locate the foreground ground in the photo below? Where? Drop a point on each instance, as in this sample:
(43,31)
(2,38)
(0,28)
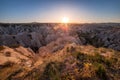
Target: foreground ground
(73,62)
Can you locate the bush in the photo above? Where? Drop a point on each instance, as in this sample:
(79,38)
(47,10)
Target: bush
(79,56)
(101,71)
(111,61)
(52,71)
(88,58)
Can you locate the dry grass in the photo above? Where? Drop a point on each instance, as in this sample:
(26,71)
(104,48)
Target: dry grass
(70,63)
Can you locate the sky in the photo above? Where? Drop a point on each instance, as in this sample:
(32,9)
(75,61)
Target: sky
(78,11)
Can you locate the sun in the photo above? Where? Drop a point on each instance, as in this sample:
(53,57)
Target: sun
(65,20)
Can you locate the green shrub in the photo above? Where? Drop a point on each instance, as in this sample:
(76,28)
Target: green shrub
(52,71)
(101,71)
(111,61)
(89,58)
(79,56)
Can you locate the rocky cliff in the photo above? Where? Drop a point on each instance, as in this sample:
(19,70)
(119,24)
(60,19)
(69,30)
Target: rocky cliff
(36,35)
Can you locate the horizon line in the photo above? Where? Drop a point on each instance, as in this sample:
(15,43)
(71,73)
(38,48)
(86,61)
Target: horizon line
(55,22)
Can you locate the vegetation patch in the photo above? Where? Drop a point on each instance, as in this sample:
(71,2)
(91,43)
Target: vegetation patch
(101,71)
(14,45)
(52,71)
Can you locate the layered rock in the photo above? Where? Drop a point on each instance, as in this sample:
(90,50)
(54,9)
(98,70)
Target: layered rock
(101,36)
(35,35)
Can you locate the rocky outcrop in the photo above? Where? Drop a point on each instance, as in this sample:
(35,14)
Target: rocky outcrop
(101,36)
(19,55)
(35,35)
(57,45)
(27,35)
